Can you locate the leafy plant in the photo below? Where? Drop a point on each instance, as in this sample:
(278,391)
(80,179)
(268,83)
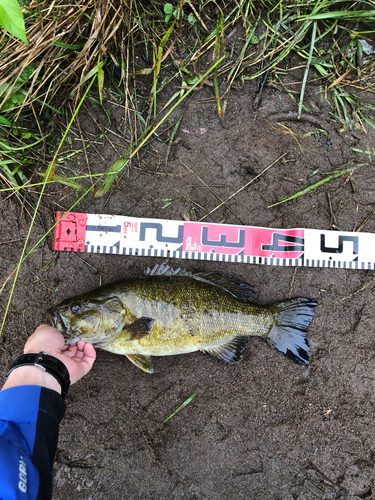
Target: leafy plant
(15,90)
(14,145)
(11,19)
(170,11)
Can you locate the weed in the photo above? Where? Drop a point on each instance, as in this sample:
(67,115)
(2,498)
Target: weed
(185,403)
(329,178)
(11,19)
(170,11)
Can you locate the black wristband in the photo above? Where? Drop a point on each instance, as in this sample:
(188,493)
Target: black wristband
(50,364)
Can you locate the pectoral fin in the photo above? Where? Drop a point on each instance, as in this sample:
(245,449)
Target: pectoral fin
(141,361)
(230,352)
(139,328)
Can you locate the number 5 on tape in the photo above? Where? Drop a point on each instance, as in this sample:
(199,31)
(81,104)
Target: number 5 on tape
(115,234)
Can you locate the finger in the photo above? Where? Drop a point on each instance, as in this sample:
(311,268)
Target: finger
(77,352)
(81,345)
(73,344)
(84,350)
(70,353)
(80,362)
(78,355)
(85,364)
(89,353)
(89,357)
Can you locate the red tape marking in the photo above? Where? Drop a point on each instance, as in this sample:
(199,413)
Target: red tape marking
(70,231)
(255,241)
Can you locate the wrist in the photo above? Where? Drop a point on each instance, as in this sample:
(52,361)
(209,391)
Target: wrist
(48,365)
(32,375)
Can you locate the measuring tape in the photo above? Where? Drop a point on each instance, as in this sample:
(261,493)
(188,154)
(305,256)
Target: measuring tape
(116,234)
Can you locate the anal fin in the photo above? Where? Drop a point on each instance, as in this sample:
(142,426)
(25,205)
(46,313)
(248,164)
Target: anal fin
(230,352)
(142,361)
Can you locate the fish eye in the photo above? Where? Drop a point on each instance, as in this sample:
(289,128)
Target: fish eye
(74,309)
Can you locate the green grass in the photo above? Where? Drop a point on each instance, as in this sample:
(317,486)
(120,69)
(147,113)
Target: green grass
(314,186)
(185,403)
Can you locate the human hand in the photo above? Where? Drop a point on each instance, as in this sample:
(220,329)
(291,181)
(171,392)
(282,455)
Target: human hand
(78,357)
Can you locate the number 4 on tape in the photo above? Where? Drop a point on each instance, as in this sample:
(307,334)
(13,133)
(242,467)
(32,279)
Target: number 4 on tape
(115,234)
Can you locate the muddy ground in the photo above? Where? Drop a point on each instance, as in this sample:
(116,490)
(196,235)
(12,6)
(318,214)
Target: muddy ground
(264,428)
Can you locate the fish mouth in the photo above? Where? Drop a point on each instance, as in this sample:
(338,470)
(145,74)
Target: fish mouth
(59,322)
(56,321)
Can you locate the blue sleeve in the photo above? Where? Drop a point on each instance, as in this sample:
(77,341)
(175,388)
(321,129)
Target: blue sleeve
(29,421)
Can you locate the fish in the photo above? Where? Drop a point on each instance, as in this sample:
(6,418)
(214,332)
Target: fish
(174,311)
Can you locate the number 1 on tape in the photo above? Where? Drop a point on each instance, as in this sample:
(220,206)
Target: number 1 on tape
(115,234)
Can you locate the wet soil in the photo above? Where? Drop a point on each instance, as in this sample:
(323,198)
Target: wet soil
(264,428)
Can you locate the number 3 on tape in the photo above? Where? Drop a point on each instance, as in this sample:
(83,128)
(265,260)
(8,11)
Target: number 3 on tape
(115,234)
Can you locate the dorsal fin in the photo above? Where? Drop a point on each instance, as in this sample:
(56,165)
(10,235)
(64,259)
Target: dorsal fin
(162,270)
(230,352)
(235,286)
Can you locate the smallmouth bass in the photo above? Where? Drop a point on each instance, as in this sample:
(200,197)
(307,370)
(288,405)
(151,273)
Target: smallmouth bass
(169,312)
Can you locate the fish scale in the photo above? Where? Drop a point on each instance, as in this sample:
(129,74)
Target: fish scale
(210,319)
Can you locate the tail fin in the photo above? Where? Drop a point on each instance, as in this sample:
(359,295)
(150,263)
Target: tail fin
(288,334)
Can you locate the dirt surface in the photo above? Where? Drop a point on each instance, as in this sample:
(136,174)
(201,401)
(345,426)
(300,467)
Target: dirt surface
(264,428)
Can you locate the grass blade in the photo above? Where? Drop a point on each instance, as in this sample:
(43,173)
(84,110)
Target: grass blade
(174,131)
(72,46)
(22,148)
(89,75)
(161,47)
(218,46)
(66,182)
(100,81)
(313,36)
(111,176)
(185,403)
(366,119)
(319,183)
(350,15)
